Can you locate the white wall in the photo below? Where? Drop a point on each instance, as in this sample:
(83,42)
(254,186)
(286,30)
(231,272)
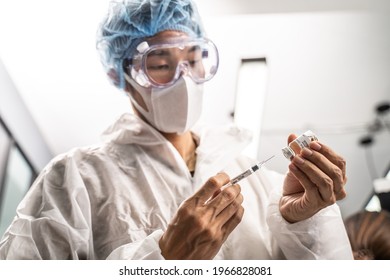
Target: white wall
(20,122)
(327,71)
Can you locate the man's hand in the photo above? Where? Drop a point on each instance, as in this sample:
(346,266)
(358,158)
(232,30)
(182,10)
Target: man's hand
(201,225)
(315,180)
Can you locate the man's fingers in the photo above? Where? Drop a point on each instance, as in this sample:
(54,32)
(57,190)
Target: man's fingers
(312,191)
(225,198)
(323,182)
(212,185)
(337,160)
(230,209)
(327,167)
(232,223)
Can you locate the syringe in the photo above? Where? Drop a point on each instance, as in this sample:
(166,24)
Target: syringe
(243,175)
(246,173)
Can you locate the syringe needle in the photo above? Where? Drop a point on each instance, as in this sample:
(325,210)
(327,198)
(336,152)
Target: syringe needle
(248,172)
(264,161)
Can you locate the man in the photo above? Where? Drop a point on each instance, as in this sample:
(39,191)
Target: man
(157,188)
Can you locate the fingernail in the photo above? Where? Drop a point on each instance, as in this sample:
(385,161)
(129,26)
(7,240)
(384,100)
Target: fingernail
(299,160)
(315,146)
(306,152)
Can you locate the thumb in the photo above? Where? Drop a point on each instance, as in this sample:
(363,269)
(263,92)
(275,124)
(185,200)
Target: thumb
(291,138)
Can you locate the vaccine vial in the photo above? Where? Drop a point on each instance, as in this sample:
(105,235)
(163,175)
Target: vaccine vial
(298,144)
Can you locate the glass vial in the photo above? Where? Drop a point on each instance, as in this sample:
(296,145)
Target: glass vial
(298,144)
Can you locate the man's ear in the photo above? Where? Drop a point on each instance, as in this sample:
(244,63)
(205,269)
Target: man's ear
(113,75)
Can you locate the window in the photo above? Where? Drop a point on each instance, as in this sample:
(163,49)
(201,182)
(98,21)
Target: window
(250,97)
(5,142)
(16,175)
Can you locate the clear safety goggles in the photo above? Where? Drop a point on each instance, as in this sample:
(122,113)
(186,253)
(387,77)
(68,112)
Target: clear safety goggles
(161,65)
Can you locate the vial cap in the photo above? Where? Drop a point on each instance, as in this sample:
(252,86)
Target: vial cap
(288,153)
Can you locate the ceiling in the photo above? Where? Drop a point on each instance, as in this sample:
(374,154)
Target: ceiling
(48,48)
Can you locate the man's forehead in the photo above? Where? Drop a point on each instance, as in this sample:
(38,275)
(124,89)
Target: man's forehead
(167,37)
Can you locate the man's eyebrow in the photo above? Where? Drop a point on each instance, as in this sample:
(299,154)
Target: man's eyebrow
(159,53)
(194,48)
(165,52)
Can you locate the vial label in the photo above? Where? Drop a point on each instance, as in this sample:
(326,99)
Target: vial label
(303,141)
(298,144)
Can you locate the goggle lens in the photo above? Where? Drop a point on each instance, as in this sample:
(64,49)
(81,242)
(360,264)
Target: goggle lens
(163,64)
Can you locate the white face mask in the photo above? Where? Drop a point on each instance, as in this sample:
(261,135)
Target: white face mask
(174,109)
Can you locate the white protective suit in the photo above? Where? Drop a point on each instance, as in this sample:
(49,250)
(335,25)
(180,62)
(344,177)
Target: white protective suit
(115,201)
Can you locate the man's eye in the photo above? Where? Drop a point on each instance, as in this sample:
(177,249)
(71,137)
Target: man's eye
(158,67)
(194,62)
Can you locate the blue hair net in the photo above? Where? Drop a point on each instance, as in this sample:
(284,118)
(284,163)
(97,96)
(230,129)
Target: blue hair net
(129,22)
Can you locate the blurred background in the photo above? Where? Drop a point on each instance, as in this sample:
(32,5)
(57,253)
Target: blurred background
(285,67)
